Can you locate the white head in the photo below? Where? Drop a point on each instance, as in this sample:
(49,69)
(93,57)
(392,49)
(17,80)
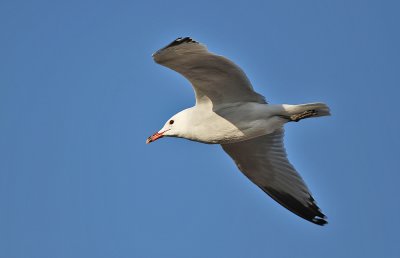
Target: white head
(176,126)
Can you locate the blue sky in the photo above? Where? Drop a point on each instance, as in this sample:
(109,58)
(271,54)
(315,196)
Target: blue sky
(79,95)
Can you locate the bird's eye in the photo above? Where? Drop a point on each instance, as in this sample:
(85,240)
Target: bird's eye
(171,122)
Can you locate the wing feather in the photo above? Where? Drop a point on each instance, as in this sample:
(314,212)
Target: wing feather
(263,160)
(213,77)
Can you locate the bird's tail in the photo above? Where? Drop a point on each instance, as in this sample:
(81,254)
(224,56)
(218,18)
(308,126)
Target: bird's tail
(302,111)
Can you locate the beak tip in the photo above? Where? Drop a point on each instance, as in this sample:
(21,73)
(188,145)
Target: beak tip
(148,140)
(154,137)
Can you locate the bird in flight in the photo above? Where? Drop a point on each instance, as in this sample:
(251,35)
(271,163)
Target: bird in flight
(229,112)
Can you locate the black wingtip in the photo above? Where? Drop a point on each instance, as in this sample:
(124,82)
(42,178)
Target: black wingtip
(310,212)
(319,221)
(174,43)
(179,41)
(319,218)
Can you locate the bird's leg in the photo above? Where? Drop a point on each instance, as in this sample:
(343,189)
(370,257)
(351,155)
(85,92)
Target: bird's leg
(303,115)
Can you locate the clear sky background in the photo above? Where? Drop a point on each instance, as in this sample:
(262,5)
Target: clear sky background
(80,93)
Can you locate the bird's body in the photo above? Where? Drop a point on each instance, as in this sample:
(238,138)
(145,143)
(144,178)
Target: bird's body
(229,112)
(233,123)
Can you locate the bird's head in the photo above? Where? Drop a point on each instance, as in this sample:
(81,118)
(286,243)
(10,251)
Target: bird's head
(174,127)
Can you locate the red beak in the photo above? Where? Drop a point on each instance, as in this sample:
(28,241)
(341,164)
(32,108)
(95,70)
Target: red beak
(154,137)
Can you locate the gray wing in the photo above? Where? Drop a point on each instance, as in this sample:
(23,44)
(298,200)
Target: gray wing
(213,77)
(263,160)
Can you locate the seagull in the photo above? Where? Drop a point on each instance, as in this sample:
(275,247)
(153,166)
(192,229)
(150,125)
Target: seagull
(229,112)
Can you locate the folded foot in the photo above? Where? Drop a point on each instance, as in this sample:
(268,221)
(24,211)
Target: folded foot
(300,116)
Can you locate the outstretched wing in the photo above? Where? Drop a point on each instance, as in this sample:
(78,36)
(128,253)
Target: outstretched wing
(263,160)
(214,78)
